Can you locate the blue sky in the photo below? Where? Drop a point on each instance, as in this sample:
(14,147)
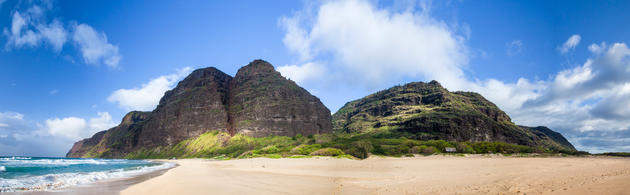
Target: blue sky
(71,68)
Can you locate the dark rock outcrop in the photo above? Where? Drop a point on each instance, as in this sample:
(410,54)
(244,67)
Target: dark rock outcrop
(429,111)
(262,102)
(257,102)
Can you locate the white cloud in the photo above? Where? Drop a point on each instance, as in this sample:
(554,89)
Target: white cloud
(11,115)
(52,138)
(597,49)
(589,103)
(53,92)
(94,46)
(302,73)
(3,125)
(54,33)
(30,28)
(376,47)
(593,97)
(102,122)
(70,127)
(75,128)
(570,44)
(147,96)
(20,35)
(296,39)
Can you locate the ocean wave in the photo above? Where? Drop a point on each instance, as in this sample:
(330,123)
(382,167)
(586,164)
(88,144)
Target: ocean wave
(3,169)
(56,181)
(16,158)
(57,162)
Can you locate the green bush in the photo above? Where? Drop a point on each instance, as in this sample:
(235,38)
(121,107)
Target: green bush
(440,145)
(305,149)
(416,149)
(360,149)
(270,150)
(394,150)
(327,152)
(429,150)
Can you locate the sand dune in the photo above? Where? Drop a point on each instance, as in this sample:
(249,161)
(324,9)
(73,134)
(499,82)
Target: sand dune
(419,175)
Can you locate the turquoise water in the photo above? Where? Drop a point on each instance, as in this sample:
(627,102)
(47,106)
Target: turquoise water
(39,174)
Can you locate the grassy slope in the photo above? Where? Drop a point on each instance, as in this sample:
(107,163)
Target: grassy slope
(215,144)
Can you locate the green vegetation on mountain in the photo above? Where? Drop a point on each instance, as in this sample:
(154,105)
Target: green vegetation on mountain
(221,145)
(427,111)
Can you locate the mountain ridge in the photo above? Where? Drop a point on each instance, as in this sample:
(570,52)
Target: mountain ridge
(257,102)
(430,111)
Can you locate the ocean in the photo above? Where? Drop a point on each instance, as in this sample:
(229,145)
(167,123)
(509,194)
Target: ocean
(43,174)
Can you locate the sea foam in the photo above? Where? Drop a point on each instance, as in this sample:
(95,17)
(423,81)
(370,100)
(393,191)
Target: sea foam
(61,180)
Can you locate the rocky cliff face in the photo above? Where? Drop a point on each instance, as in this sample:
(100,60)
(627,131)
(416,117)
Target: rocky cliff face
(198,104)
(262,102)
(258,102)
(429,111)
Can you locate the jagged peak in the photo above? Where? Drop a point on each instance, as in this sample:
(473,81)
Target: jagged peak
(204,72)
(256,67)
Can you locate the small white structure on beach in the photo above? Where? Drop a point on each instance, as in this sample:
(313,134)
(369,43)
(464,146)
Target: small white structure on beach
(448,149)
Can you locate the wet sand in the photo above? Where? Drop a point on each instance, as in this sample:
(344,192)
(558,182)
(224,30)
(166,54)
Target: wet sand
(418,175)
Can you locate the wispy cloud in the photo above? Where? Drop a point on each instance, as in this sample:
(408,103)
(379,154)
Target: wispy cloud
(570,44)
(94,46)
(30,28)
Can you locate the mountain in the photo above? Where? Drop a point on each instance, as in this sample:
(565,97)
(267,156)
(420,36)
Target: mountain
(429,111)
(256,102)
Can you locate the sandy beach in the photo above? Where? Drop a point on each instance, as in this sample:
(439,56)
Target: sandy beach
(418,175)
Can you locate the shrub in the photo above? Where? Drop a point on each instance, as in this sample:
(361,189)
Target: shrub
(360,149)
(439,145)
(464,148)
(327,152)
(305,149)
(416,149)
(429,150)
(273,156)
(394,150)
(270,150)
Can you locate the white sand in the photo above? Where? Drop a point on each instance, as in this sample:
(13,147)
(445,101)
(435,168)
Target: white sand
(419,175)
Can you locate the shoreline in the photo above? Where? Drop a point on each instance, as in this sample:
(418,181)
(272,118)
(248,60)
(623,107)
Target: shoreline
(387,175)
(104,187)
